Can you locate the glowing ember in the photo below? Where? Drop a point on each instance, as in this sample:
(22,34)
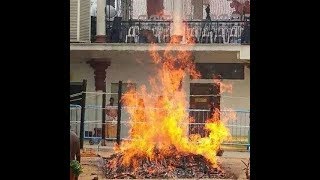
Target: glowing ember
(159,126)
(174,165)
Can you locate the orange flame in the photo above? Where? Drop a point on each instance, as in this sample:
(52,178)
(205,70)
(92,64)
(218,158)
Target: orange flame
(228,115)
(158,117)
(223,86)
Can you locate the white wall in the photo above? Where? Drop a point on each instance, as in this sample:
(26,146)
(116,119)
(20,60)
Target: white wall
(135,72)
(139,72)
(239,98)
(82,70)
(138,69)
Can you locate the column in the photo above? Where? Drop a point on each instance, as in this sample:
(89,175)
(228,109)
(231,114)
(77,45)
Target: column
(178,28)
(125,6)
(101,21)
(100,65)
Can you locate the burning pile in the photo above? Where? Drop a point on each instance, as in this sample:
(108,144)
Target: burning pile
(176,165)
(160,146)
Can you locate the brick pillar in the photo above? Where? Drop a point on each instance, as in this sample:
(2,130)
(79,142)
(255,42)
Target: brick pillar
(100,66)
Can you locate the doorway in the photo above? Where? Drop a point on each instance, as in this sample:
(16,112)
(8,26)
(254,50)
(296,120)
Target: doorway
(201,96)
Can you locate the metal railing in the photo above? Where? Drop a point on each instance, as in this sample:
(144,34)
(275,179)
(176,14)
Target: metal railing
(139,31)
(159,31)
(91,121)
(226,32)
(75,116)
(238,127)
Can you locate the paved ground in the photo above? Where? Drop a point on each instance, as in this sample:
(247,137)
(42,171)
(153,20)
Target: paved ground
(231,161)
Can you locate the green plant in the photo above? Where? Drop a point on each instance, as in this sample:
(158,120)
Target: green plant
(75,167)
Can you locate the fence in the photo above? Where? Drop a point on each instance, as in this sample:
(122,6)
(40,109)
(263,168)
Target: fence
(75,118)
(159,31)
(237,121)
(234,32)
(94,117)
(112,121)
(238,127)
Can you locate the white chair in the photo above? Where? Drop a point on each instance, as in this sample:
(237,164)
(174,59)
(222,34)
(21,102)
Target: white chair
(196,31)
(133,32)
(206,34)
(221,33)
(223,17)
(142,17)
(166,17)
(154,17)
(158,32)
(235,17)
(233,34)
(247,17)
(211,37)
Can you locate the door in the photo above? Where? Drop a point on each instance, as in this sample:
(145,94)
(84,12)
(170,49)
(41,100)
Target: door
(202,95)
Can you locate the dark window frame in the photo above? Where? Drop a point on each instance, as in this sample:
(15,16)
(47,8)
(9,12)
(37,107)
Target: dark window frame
(233,71)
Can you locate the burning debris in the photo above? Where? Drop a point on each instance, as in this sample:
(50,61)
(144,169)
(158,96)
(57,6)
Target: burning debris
(174,165)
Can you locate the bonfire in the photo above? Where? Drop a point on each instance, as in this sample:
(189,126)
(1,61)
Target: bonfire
(159,145)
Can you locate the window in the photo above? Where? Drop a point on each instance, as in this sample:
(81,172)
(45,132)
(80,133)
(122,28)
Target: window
(76,88)
(225,70)
(125,88)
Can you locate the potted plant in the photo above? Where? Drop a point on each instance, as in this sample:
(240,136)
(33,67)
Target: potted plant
(75,169)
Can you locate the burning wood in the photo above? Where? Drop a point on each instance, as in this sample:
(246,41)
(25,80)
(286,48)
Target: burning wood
(174,165)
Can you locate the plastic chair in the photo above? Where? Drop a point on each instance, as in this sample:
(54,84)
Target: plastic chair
(133,32)
(221,34)
(233,34)
(223,17)
(154,17)
(142,17)
(235,17)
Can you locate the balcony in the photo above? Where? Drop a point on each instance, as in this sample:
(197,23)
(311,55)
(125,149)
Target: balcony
(160,31)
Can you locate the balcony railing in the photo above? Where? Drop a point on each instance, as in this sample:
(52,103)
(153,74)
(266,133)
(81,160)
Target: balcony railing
(208,32)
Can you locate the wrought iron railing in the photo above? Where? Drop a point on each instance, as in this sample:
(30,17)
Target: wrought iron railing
(137,31)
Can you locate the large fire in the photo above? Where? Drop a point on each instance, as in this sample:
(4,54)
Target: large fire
(159,119)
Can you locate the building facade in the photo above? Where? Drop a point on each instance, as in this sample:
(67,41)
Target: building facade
(108,47)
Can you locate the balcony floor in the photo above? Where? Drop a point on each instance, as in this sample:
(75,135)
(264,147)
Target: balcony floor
(96,50)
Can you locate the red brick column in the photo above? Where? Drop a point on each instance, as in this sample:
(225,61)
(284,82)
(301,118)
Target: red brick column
(100,66)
